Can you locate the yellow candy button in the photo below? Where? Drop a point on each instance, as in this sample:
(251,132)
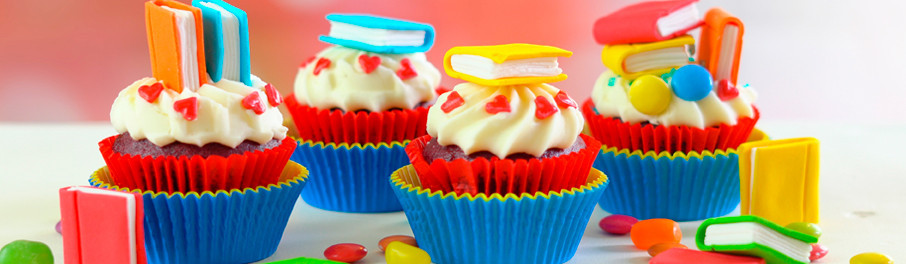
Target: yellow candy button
(870,258)
(402,253)
(650,95)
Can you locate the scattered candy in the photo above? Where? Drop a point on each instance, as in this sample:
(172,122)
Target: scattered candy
(345,252)
(818,252)
(544,108)
(661,247)
(647,233)
(726,90)
(650,95)
(25,251)
(369,63)
(441,90)
(691,82)
(401,253)
(150,92)
(805,228)
(564,101)
(406,72)
(497,104)
(273,96)
(870,258)
(617,224)
(59,227)
(253,102)
(401,238)
(454,100)
(304,260)
(187,107)
(307,61)
(323,63)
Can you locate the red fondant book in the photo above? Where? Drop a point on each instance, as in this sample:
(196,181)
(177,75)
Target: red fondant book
(647,22)
(685,256)
(101,226)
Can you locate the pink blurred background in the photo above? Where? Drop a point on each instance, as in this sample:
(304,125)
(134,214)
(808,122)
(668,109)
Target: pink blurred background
(809,60)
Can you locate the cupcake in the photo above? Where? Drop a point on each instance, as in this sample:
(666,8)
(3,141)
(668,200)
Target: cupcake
(503,175)
(669,124)
(356,104)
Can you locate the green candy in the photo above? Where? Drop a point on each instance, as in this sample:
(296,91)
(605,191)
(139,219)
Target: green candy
(805,228)
(304,260)
(26,252)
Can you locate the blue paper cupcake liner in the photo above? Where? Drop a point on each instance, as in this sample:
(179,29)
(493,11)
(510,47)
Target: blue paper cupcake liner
(351,177)
(235,226)
(678,186)
(526,229)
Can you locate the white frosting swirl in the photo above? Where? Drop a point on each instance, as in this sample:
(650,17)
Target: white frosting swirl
(345,84)
(709,111)
(473,129)
(221,116)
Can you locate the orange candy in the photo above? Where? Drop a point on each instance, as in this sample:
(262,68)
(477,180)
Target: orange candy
(647,233)
(401,238)
(661,247)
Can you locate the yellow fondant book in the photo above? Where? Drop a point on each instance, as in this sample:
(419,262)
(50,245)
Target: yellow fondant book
(509,64)
(779,180)
(637,59)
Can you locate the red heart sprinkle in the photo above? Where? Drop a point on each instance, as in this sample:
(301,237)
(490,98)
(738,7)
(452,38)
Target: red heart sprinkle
(726,90)
(273,96)
(150,92)
(441,90)
(406,72)
(453,101)
(497,105)
(544,108)
(187,107)
(306,62)
(253,102)
(564,101)
(323,63)
(369,63)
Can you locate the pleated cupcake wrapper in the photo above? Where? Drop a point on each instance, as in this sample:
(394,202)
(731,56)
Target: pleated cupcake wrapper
(335,126)
(236,226)
(541,227)
(351,177)
(647,137)
(679,186)
(196,173)
(503,176)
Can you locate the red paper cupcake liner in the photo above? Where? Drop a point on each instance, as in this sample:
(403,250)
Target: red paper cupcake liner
(613,132)
(503,176)
(335,126)
(196,173)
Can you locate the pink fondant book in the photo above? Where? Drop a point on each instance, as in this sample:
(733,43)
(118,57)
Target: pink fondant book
(685,256)
(648,21)
(101,226)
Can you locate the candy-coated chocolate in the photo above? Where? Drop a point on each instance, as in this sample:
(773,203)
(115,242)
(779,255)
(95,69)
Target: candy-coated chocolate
(401,238)
(726,90)
(401,253)
(497,105)
(691,82)
(454,100)
(818,252)
(369,63)
(323,63)
(273,96)
(304,260)
(253,102)
(806,228)
(647,233)
(345,252)
(617,224)
(544,108)
(406,71)
(59,227)
(661,247)
(26,252)
(650,95)
(870,258)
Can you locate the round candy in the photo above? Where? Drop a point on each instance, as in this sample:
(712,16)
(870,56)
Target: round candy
(818,252)
(401,238)
(691,82)
(660,248)
(345,252)
(650,95)
(617,224)
(805,228)
(647,233)
(25,251)
(870,258)
(59,227)
(401,253)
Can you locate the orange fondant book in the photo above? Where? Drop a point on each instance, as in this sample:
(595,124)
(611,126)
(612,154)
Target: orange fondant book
(721,44)
(176,42)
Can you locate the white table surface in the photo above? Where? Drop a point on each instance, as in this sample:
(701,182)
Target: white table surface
(863,202)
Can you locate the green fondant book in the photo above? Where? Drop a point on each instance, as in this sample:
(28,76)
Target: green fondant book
(754,236)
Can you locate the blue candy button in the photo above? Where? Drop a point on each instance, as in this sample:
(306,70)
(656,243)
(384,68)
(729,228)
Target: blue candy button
(691,82)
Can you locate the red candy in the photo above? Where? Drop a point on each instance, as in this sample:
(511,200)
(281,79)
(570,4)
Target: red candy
(544,108)
(307,61)
(273,96)
(617,224)
(647,233)
(323,63)
(497,105)
(726,90)
(253,102)
(150,92)
(818,252)
(406,72)
(564,101)
(369,63)
(401,238)
(345,252)
(453,101)
(187,107)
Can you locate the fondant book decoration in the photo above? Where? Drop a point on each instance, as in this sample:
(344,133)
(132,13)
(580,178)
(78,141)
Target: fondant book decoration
(754,236)
(686,256)
(508,64)
(379,34)
(779,180)
(175,38)
(647,22)
(101,226)
(634,60)
(226,41)
(721,44)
